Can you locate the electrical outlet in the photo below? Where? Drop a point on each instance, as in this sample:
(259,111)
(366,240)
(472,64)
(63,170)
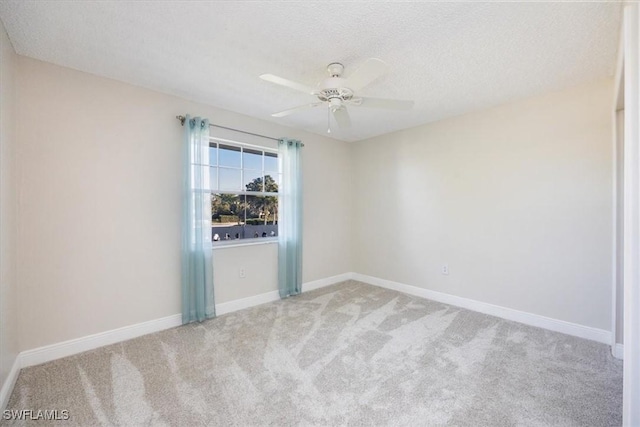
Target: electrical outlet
(445,269)
(242,273)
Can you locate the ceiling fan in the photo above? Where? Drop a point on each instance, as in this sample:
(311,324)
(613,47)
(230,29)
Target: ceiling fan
(337,92)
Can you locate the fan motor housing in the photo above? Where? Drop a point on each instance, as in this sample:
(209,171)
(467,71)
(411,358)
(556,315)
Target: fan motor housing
(344,94)
(334,87)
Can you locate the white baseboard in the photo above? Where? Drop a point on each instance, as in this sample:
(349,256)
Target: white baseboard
(555,325)
(67,348)
(317,284)
(7,387)
(240,304)
(618,351)
(51,352)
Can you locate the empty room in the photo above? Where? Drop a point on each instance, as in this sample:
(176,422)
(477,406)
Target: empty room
(274,213)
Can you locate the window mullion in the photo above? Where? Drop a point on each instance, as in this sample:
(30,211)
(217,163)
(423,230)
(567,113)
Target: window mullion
(242,228)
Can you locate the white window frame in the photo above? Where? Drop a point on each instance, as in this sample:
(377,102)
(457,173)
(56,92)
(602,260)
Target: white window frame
(222,244)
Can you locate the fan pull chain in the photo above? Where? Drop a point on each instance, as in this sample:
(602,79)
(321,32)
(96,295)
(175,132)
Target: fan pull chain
(328,120)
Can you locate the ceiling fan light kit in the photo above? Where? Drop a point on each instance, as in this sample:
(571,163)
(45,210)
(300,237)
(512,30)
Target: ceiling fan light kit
(337,92)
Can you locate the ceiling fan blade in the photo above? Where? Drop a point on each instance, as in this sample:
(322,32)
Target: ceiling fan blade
(296,109)
(287,83)
(371,70)
(342,117)
(389,104)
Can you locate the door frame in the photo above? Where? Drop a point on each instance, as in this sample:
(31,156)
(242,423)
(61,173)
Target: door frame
(631,252)
(618,181)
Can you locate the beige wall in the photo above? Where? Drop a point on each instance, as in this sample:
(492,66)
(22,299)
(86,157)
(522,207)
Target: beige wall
(99,210)
(515,199)
(8,301)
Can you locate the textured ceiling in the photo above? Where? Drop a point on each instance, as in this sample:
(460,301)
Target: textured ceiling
(451,58)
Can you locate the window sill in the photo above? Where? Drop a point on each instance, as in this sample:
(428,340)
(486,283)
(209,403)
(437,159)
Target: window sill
(247,242)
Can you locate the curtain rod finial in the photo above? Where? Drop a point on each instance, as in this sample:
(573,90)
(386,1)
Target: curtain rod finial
(182,119)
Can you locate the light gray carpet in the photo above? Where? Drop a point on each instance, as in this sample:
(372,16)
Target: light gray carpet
(349,354)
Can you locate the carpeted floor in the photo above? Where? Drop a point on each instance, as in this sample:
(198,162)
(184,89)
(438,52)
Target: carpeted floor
(348,354)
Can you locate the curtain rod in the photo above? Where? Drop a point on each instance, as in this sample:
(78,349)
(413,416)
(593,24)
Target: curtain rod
(182,119)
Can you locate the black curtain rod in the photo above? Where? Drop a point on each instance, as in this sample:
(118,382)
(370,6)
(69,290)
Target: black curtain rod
(182,119)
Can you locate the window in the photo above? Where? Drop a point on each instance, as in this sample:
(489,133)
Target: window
(244,192)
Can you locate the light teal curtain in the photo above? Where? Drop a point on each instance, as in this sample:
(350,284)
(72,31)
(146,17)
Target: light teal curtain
(197,267)
(290,218)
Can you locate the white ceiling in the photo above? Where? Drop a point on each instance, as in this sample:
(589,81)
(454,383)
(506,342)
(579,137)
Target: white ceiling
(451,58)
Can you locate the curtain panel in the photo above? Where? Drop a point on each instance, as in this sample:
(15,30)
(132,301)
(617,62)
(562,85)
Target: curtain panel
(290,218)
(197,265)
